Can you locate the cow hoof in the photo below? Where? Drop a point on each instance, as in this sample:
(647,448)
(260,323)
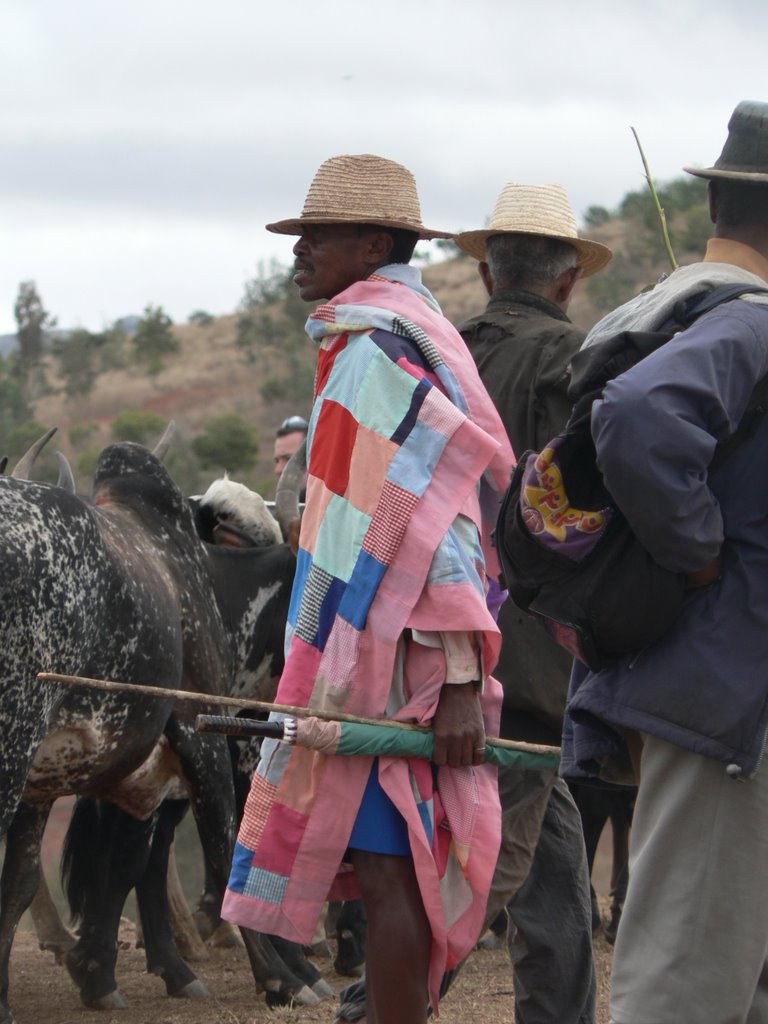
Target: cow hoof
(321,949)
(6,1017)
(304,997)
(193,990)
(111,1001)
(322,989)
(59,950)
(226,937)
(349,970)
(490,941)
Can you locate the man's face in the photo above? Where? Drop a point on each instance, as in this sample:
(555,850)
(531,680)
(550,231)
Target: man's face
(285,446)
(329,258)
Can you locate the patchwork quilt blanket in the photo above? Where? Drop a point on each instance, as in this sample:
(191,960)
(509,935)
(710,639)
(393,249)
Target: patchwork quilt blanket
(407,459)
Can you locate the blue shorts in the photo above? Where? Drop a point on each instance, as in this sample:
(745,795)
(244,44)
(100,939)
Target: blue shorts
(379,826)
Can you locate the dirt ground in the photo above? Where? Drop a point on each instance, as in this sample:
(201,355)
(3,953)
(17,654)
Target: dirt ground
(42,993)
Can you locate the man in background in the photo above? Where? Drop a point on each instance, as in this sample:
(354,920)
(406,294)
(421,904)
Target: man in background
(530,259)
(288,437)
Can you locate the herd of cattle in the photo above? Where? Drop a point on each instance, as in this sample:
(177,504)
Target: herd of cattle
(136,583)
(139,584)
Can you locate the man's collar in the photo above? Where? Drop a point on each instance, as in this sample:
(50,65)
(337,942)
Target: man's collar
(514,297)
(726,250)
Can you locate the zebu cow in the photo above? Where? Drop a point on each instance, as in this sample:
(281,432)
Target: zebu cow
(251,575)
(119,590)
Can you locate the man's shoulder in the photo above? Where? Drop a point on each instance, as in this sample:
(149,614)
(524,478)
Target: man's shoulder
(527,328)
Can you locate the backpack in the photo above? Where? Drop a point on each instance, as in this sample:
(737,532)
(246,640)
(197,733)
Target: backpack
(568,555)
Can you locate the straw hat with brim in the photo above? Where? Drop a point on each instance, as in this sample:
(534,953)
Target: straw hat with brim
(361,190)
(536,210)
(745,153)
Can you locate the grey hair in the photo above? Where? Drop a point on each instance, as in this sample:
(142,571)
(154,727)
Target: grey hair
(520,261)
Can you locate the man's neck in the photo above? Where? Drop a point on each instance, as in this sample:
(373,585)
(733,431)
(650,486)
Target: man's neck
(738,254)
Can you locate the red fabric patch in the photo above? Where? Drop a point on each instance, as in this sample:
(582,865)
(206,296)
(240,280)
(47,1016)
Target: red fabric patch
(326,358)
(332,445)
(280,840)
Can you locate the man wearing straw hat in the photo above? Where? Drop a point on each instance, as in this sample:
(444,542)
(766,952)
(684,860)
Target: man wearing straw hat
(388,616)
(691,711)
(530,257)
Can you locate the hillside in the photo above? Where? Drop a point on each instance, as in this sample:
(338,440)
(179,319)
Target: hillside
(213,373)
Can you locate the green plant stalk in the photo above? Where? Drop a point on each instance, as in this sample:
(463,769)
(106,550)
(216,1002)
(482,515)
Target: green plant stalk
(657,204)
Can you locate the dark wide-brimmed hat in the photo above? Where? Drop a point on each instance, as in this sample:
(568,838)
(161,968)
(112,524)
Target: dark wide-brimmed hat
(745,153)
(536,210)
(361,189)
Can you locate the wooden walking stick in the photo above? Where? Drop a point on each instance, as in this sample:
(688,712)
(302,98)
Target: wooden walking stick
(265,706)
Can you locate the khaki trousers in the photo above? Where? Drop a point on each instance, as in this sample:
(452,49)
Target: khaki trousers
(693,938)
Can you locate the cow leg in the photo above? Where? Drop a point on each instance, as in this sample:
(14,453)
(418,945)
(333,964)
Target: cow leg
(207,765)
(18,883)
(350,939)
(206,913)
(97,887)
(188,941)
(621,820)
(594,806)
(99,868)
(152,897)
(51,933)
(293,956)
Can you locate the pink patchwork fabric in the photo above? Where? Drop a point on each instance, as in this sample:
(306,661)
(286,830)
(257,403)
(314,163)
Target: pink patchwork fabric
(257,806)
(382,539)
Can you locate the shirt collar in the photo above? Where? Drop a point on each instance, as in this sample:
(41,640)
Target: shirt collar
(513,297)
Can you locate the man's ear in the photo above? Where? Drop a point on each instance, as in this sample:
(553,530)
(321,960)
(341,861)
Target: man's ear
(485,276)
(565,285)
(379,245)
(712,200)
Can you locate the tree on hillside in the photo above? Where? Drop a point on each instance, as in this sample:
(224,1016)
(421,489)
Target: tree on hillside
(138,425)
(76,354)
(595,216)
(14,408)
(154,338)
(271,327)
(640,258)
(33,322)
(200,318)
(111,345)
(228,442)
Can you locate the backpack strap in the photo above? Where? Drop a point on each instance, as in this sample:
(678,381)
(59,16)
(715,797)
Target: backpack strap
(685,311)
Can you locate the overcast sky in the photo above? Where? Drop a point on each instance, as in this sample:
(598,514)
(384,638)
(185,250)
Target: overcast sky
(143,146)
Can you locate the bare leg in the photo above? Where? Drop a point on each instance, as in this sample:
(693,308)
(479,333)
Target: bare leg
(399,939)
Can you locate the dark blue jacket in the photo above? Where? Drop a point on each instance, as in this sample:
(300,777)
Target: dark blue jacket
(704,685)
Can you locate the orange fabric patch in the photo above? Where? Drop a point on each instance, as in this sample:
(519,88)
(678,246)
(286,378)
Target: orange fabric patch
(371,457)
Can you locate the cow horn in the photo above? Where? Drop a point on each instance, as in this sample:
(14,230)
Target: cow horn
(23,467)
(161,448)
(66,477)
(289,486)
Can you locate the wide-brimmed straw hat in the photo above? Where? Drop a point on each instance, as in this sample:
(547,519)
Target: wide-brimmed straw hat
(745,153)
(361,189)
(536,210)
